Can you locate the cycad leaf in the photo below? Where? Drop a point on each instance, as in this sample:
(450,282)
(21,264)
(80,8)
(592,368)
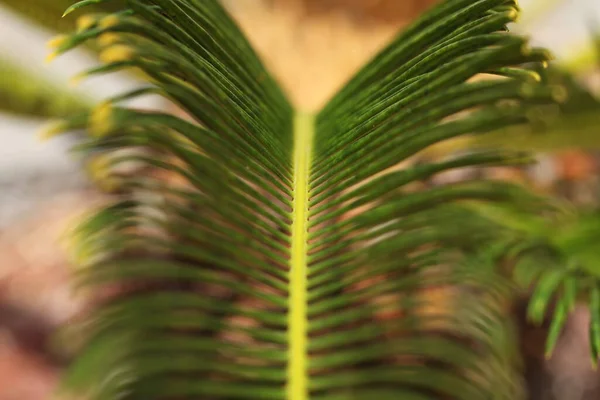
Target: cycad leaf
(573,123)
(556,255)
(260,252)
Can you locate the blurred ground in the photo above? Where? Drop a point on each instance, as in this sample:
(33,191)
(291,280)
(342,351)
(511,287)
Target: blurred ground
(35,297)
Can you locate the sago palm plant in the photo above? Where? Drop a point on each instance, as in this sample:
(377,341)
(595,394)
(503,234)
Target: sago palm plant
(256,251)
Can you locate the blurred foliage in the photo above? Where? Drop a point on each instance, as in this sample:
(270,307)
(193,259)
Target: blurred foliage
(25,93)
(47,13)
(573,122)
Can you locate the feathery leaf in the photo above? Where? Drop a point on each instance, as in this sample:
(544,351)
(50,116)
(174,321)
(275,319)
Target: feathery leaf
(261,252)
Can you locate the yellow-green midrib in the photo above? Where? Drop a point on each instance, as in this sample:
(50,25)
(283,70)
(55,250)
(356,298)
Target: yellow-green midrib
(297,373)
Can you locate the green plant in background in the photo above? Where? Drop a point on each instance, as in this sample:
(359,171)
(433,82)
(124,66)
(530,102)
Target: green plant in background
(24,92)
(260,251)
(44,12)
(27,94)
(572,122)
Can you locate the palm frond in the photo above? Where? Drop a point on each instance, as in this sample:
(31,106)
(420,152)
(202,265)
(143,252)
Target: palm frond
(287,255)
(573,123)
(555,256)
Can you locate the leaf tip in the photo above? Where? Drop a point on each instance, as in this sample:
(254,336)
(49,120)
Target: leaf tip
(101,120)
(100,170)
(70,9)
(108,39)
(57,42)
(75,81)
(51,130)
(50,57)
(115,54)
(109,21)
(85,22)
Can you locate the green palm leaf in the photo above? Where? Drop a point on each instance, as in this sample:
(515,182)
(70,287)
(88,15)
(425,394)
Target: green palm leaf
(556,256)
(573,123)
(285,254)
